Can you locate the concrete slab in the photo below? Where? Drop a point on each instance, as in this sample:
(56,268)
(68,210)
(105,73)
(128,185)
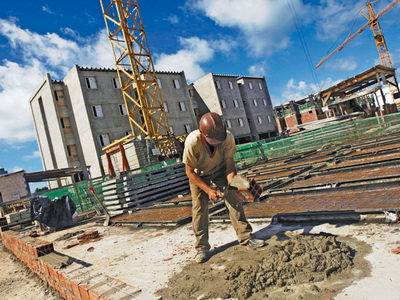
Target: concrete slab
(147,257)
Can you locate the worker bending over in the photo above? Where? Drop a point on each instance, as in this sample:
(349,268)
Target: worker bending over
(208,158)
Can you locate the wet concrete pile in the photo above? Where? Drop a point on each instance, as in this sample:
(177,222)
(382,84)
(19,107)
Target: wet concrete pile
(243,273)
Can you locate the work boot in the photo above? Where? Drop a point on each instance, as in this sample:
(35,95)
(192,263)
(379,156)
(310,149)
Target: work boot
(201,257)
(255,243)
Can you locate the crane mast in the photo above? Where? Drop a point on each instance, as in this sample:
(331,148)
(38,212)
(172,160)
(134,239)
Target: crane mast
(376,29)
(135,68)
(378,35)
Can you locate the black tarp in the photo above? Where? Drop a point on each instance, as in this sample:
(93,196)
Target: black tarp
(56,213)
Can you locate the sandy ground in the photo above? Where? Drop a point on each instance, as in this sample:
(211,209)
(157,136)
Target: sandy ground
(147,257)
(18,282)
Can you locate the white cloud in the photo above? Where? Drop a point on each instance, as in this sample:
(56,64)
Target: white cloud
(260,69)
(347,64)
(194,52)
(173,19)
(71,33)
(45,8)
(35,154)
(333,17)
(265,24)
(38,55)
(294,90)
(17,84)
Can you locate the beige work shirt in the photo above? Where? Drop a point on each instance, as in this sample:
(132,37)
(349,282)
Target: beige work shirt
(197,153)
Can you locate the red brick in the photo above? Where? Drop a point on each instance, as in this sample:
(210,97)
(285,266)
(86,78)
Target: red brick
(84,291)
(75,289)
(93,295)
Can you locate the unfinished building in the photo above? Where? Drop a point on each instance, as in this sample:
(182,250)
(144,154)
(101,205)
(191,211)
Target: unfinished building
(363,95)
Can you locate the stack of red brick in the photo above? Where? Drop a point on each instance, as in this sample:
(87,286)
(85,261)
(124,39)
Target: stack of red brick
(75,281)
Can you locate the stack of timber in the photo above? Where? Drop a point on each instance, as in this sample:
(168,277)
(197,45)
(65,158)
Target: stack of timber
(19,217)
(129,192)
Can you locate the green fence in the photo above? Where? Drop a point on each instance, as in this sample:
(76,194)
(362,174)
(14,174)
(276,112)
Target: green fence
(78,193)
(316,139)
(83,198)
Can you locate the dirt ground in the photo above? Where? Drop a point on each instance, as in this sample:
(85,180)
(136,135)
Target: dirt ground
(18,282)
(313,261)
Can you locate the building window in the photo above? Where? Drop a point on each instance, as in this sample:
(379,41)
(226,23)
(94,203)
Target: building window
(171,129)
(259,119)
(159,83)
(265,102)
(269,118)
(69,151)
(188,128)
(250,85)
(182,106)
(235,103)
(166,107)
(97,111)
(191,92)
(230,83)
(116,83)
(62,123)
(223,104)
(122,110)
(104,140)
(91,83)
(228,124)
(218,84)
(176,83)
(255,102)
(56,95)
(240,121)
(260,85)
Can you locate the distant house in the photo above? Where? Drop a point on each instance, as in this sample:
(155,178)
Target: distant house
(13,186)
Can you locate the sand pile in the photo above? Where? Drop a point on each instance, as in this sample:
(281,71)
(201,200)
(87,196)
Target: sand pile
(243,273)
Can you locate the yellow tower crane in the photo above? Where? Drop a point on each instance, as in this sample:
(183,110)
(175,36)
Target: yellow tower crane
(376,29)
(135,68)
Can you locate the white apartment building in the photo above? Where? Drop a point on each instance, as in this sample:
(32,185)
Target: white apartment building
(244,102)
(78,116)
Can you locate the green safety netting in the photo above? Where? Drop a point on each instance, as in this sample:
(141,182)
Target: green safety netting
(316,139)
(84,198)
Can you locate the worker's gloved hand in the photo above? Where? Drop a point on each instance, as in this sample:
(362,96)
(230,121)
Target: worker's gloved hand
(214,195)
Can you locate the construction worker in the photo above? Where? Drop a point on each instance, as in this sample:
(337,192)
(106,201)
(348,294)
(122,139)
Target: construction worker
(208,157)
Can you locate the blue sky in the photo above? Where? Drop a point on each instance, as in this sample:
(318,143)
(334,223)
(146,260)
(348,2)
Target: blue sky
(279,39)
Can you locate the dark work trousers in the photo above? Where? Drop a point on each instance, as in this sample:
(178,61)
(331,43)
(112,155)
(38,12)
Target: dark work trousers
(200,202)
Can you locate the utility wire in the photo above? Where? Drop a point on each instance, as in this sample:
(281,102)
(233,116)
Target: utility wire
(350,25)
(303,43)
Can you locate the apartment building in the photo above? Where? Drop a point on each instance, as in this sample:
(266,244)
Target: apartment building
(78,116)
(177,102)
(244,101)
